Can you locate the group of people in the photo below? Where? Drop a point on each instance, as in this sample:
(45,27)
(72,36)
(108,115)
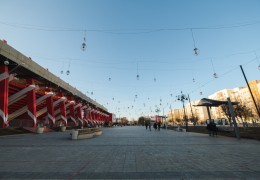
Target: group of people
(212,128)
(156,125)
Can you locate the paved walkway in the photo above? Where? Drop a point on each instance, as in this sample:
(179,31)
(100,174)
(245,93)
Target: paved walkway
(128,153)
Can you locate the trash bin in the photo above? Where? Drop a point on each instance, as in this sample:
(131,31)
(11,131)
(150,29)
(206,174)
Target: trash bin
(74,134)
(40,130)
(63,128)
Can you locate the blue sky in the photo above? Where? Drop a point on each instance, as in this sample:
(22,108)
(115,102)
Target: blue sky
(151,37)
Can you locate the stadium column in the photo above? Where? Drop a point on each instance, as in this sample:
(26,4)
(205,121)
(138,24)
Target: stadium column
(72,114)
(85,115)
(50,111)
(94,114)
(99,119)
(79,114)
(63,112)
(90,114)
(4,84)
(31,104)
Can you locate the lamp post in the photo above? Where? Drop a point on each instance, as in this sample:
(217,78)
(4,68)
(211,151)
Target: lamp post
(172,115)
(157,110)
(182,98)
(191,110)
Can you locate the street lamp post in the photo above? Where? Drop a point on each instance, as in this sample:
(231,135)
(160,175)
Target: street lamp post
(182,98)
(191,110)
(157,110)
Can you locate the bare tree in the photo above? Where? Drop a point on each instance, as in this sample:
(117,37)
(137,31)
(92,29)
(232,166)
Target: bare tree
(178,120)
(141,120)
(226,112)
(243,112)
(194,120)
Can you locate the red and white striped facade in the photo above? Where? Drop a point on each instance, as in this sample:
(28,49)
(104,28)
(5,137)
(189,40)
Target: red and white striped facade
(30,95)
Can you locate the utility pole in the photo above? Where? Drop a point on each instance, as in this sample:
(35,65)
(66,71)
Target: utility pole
(171,114)
(191,108)
(182,98)
(233,118)
(257,110)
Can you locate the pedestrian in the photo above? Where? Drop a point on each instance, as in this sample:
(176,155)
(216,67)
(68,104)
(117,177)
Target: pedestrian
(209,126)
(149,124)
(155,126)
(214,129)
(146,125)
(159,125)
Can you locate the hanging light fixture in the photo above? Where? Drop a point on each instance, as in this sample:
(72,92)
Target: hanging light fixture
(193,80)
(84,45)
(196,51)
(62,67)
(68,71)
(214,74)
(257,60)
(109,79)
(137,76)
(154,79)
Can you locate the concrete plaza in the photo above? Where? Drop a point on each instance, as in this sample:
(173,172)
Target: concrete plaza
(129,153)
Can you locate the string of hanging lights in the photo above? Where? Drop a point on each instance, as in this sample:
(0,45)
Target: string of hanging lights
(137,76)
(84,44)
(214,74)
(196,51)
(68,70)
(257,60)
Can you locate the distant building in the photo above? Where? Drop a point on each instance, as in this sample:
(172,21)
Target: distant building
(177,115)
(113,118)
(239,94)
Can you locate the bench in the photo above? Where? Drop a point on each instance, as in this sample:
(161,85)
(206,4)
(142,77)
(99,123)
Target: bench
(82,134)
(225,129)
(97,131)
(85,133)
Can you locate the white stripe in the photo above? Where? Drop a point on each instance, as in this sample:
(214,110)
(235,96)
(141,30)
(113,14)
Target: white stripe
(63,118)
(51,118)
(80,120)
(31,116)
(3,76)
(78,105)
(73,119)
(3,116)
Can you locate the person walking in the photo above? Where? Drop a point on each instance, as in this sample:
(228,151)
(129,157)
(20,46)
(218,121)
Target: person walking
(209,128)
(146,125)
(214,129)
(155,126)
(159,125)
(149,124)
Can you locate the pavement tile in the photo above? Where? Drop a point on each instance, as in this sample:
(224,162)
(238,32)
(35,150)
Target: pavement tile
(129,153)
